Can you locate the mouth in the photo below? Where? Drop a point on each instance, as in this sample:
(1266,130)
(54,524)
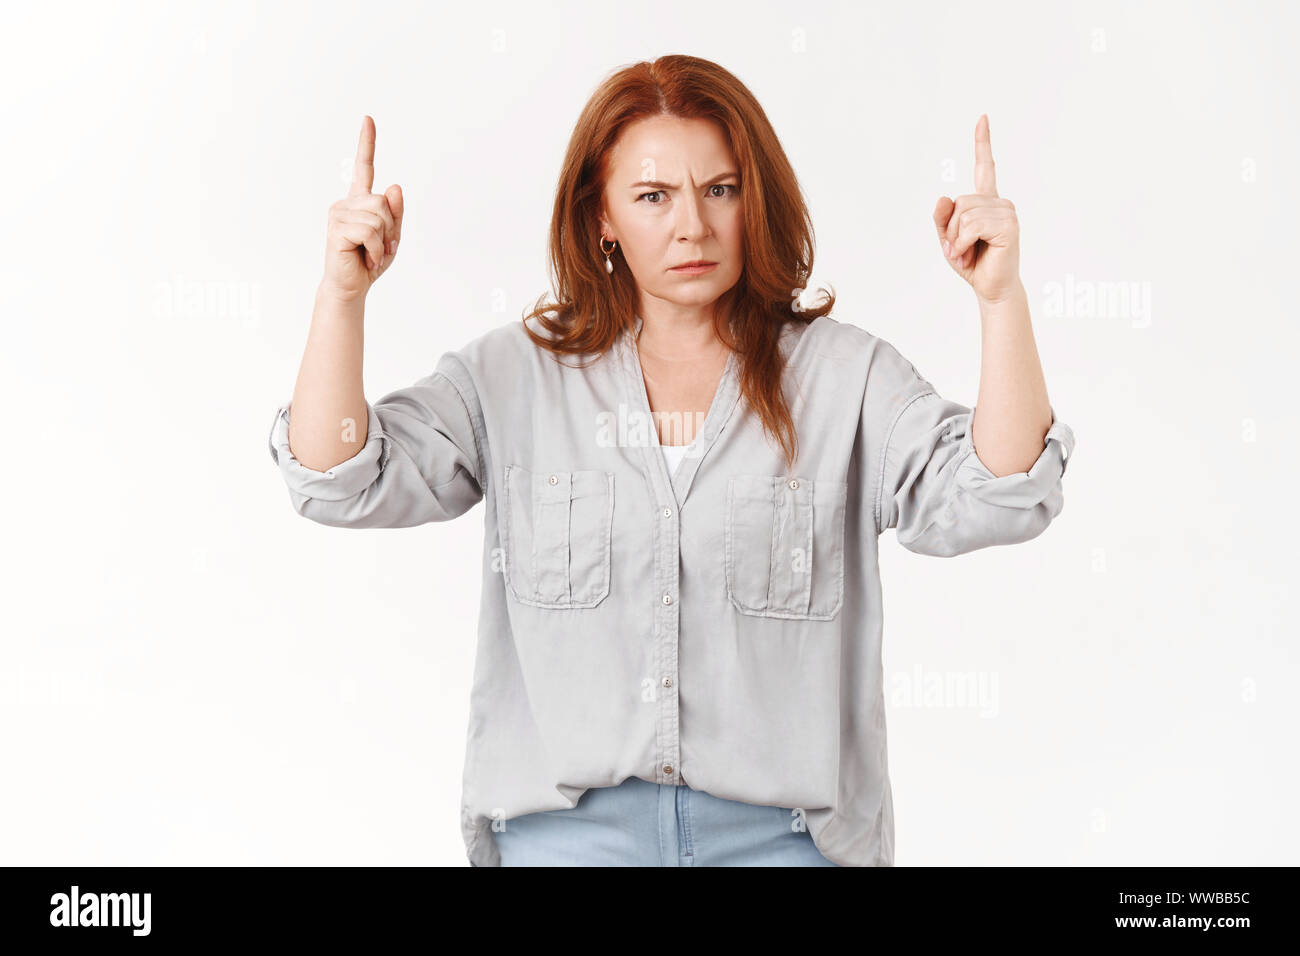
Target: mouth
(695,267)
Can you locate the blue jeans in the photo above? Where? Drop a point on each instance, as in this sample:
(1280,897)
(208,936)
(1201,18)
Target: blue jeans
(639,823)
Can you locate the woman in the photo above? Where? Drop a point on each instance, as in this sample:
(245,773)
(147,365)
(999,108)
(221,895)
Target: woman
(679,657)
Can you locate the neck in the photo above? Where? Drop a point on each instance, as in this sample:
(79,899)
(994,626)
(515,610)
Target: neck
(680,336)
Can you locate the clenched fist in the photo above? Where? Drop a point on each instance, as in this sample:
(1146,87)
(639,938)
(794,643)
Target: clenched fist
(364,228)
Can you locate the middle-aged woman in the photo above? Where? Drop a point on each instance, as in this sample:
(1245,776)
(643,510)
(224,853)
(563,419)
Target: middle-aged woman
(686,471)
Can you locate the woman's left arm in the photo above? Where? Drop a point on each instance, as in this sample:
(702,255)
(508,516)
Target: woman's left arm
(980,237)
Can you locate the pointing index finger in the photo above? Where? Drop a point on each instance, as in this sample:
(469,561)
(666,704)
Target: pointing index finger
(985,181)
(363,167)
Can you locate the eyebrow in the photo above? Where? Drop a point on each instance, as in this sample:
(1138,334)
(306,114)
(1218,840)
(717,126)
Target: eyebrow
(656,184)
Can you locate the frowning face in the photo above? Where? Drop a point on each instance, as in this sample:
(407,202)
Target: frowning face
(672,197)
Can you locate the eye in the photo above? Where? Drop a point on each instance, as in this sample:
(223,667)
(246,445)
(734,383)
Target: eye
(659,192)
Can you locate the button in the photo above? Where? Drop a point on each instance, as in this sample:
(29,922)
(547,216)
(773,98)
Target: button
(668,682)
(794,482)
(668,769)
(668,599)
(553,480)
(668,512)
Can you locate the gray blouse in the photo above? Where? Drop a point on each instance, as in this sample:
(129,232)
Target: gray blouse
(718,625)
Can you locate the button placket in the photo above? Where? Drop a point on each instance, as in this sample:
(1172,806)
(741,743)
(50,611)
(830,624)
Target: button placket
(671,491)
(666,570)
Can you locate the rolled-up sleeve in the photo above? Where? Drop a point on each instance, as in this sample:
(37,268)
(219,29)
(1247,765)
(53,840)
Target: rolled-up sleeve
(942,499)
(422,459)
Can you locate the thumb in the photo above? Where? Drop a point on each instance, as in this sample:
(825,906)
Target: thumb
(397,204)
(942,213)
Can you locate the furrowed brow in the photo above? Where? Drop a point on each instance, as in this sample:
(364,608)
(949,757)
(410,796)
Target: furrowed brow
(657,184)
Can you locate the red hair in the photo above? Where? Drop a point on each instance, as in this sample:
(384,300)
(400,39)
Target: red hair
(592,307)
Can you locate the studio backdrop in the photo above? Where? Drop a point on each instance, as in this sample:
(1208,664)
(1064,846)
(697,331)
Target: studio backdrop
(191,673)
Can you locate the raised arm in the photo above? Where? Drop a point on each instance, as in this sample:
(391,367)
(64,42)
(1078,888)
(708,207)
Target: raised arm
(979,234)
(410,458)
(947,485)
(329,402)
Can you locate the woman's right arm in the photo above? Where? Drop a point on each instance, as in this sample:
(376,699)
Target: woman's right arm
(413,456)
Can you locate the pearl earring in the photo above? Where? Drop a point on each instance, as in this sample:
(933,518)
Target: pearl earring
(609,265)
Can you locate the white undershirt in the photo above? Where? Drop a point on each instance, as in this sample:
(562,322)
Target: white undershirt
(673,454)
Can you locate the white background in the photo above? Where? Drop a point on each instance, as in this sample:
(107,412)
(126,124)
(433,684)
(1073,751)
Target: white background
(190,673)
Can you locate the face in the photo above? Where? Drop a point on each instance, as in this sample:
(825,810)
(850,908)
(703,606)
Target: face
(672,195)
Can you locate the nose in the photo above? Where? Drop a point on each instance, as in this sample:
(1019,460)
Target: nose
(691,226)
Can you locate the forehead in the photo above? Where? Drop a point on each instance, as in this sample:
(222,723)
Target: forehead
(669,145)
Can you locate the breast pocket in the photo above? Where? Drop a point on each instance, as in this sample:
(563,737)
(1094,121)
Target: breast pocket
(557,536)
(785,546)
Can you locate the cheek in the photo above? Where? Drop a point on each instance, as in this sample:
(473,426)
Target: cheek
(640,256)
(734,240)
(644,241)
(732,234)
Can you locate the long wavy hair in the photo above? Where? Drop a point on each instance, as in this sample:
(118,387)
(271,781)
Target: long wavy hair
(592,307)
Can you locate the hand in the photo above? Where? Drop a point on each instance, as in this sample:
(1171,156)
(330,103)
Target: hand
(363,229)
(979,233)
